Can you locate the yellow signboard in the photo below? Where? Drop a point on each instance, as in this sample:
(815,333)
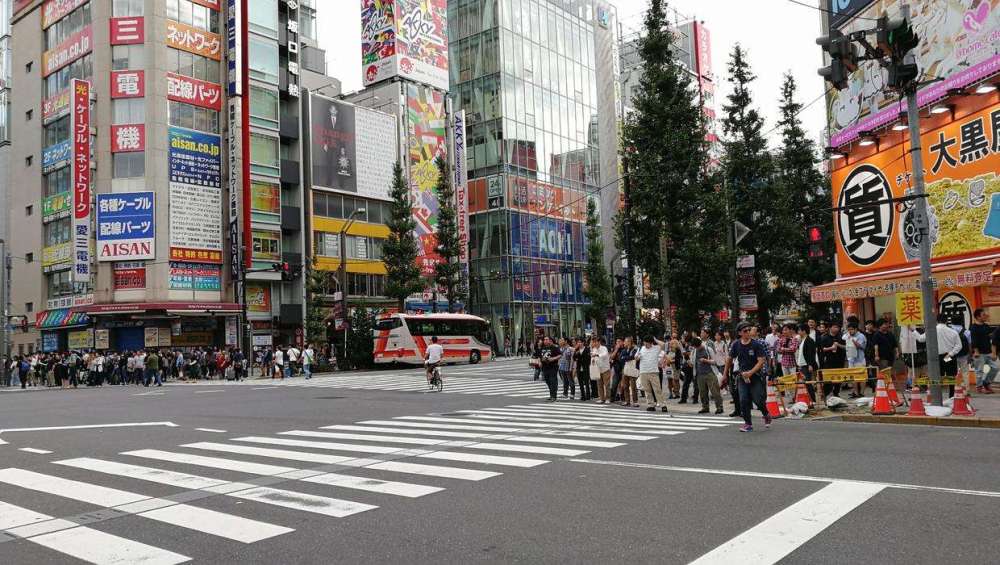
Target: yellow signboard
(909,309)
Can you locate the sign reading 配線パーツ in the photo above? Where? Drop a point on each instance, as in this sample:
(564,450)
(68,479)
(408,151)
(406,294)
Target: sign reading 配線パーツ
(193,91)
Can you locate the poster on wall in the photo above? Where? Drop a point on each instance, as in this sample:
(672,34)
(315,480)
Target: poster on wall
(195,276)
(126,227)
(350,145)
(195,196)
(80,340)
(426,139)
(957,45)
(406,38)
(259,298)
(129,275)
(963,190)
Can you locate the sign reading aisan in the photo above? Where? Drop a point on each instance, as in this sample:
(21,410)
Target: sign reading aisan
(126,229)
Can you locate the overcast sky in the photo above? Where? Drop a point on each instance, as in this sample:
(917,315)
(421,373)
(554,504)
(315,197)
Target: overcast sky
(779,36)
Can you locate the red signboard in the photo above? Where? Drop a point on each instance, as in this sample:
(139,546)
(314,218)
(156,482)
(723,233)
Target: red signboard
(55,10)
(128,31)
(193,40)
(80,139)
(128,138)
(55,104)
(74,47)
(194,91)
(128,84)
(130,279)
(195,255)
(213,4)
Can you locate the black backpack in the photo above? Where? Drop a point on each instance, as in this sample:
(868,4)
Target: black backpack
(965,344)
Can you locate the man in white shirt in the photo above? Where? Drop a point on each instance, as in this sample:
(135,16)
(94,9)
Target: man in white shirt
(279,363)
(433,357)
(649,377)
(949,345)
(293,359)
(600,357)
(308,357)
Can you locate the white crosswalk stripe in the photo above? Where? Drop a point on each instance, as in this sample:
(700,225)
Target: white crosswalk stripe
(469,445)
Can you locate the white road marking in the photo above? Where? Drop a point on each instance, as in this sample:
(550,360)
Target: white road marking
(527,449)
(773,539)
(34,450)
(95,546)
(408,490)
(365,437)
(395,430)
(350,447)
(564,441)
(213,462)
(433,470)
(468,421)
(302,501)
(645,417)
(208,391)
(215,523)
(553,421)
(601,435)
(13,516)
(485,459)
(211,430)
(162,476)
(67,488)
(321,458)
(90,427)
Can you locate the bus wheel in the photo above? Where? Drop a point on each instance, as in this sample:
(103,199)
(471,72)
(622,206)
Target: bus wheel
(474,357)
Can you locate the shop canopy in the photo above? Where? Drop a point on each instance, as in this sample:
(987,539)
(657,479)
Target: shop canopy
(61,318)
(945,276)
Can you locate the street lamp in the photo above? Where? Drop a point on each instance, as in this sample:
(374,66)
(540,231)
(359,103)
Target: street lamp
(342,269)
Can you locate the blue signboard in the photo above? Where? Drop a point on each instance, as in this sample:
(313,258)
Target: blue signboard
(552,283)
(125,226)
(195,157)
(540,237)
(57,154)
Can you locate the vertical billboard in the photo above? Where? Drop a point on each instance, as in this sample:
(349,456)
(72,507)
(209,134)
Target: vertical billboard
(957,45)
(461,182)
(80,136)
(405,38)
(353,148)
(195,160)
(126,227)
(426,138)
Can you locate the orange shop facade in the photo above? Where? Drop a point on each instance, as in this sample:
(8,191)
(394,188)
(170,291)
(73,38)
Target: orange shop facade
(877,247)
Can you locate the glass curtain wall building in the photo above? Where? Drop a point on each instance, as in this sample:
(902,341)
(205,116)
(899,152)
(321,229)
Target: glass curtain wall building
(526,73)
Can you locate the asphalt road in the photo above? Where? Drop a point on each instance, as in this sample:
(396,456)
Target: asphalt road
(484,472)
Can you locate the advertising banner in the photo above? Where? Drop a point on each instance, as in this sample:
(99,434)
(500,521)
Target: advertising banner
(57,206)
(55,105)
(460,181)
(842,10)
(55,255)
(961,159)
(80,340)
(128,84)
(195,276)
(127,138)
(259,298)
(536,281)
(541,237)
(193,91)
(80,137)
(126,228)
(193,40)
(957,45)
(350,148)
(55,156)
(130,276)
(74,47)
(55,10)
(128,31)
(195,196)
(234,46)
(406,38)
(547,200)
(427,132)
(265,197)
(102,339)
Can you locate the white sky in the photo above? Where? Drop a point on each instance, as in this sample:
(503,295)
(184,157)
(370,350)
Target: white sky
(778,35)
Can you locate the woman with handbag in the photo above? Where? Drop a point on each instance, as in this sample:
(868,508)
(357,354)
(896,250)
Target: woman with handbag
(630,372)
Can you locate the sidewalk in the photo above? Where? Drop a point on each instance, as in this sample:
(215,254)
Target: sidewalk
(987,408)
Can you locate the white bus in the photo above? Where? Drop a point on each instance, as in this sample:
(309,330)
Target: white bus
(403,338)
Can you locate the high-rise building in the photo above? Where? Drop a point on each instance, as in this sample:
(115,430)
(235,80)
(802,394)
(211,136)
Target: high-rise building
(160,227)
(537,82)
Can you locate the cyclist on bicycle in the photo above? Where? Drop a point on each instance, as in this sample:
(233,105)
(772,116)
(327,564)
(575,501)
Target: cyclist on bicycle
(433,357)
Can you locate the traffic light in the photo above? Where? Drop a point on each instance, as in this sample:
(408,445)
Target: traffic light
(815,236)
(843,58)
(284,268)
(895,39)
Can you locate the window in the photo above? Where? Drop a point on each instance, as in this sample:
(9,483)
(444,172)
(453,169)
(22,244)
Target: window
(265,197)
(263,107)
(264,157)
(28,115)
(56,132)
(70,24)
(29,257)
(29,160)
(59,81)
(128,111)
(29,306)
(263,60)
(57,181)
(125,57)
(57,232)
(58,284)
(266,246)
(192,117)
(27,67)
(195,66)
(263,17)
(129,165)
(307,19)
(187,12)
(127,7)
(29,209)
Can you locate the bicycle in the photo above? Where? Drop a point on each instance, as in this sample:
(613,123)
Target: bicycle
(436,383)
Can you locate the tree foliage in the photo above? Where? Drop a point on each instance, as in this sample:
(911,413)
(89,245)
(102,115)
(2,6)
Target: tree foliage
(447,272)
(672,193)
(399,251)
(598,282)
(317,283)
(360,352)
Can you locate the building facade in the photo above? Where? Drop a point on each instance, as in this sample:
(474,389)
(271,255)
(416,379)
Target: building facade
(159,228)
(537,83)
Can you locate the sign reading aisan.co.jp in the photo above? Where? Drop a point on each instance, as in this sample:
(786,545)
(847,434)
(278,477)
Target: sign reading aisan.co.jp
(125,226)
(195,160)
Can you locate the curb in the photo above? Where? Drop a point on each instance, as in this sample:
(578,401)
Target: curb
(924,421)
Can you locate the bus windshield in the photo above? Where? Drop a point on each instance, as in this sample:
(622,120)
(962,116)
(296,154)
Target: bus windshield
(478,329)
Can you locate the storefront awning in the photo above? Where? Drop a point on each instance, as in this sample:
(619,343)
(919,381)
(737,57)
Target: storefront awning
(970,274)
(172,307)
(60,318)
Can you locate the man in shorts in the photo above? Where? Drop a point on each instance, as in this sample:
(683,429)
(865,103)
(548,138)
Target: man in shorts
(433,357)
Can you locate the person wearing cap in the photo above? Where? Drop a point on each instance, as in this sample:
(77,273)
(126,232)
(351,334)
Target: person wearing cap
(751,355)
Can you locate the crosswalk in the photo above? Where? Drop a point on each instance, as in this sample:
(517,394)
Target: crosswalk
(422,455)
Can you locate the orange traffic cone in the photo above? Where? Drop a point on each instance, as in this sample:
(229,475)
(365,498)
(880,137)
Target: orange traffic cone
(916,403)
(961,406)
(881,406)
(802,395)
(893,395)
(774,408)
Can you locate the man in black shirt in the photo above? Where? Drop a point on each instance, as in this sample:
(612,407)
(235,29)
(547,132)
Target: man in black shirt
(886,346)
(549,357)
(833,355)
(984,356)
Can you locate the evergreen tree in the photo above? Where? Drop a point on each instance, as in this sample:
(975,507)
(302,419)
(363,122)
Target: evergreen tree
(317,286)
(598,283)
(673,194)
(400,250)
(360,352)
(447,271)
